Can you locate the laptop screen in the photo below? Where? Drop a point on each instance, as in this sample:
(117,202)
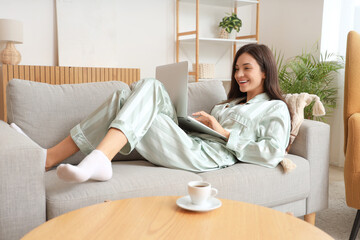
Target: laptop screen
(175,78)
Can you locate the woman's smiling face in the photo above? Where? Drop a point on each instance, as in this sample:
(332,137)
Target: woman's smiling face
(249,76)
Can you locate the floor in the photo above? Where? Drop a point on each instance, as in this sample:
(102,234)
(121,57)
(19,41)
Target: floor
(338,219)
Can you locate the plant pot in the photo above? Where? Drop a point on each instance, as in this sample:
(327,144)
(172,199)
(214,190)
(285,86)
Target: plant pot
(223,34)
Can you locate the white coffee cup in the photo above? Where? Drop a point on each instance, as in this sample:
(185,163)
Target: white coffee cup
(200,192)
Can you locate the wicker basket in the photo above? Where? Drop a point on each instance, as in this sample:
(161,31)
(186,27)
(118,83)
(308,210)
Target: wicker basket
(206,70)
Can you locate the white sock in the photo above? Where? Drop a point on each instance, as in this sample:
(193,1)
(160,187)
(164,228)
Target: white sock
(19,130)
(95,166)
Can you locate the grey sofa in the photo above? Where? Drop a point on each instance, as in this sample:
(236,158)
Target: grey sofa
(29,196)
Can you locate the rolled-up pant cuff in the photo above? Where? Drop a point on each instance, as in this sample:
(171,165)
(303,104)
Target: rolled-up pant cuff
(80,140)
(129,134)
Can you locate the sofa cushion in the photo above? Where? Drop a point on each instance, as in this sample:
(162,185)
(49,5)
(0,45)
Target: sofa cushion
(203,96)
(130,179)
(268,187)
(46,112)
(243,182)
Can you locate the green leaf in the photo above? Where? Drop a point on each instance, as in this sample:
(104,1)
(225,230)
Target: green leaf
(231,22)
(307,73)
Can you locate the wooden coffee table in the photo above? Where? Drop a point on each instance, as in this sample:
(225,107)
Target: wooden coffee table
(161,218)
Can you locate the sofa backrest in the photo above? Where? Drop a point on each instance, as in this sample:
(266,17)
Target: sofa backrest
(47,112)
(203,96)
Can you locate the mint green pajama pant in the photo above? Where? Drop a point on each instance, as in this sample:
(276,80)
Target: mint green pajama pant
(148,119)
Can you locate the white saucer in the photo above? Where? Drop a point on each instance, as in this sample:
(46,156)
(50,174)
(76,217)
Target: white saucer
(185,203)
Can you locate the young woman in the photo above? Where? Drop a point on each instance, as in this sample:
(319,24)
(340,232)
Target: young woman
(255,120)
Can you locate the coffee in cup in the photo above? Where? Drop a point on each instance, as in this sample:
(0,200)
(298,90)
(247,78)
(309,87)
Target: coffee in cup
(200,192)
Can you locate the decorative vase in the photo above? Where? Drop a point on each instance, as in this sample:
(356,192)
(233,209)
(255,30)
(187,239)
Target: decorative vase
(10,55)
(223,34)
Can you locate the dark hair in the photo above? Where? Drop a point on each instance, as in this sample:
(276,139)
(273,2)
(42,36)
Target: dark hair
(264,57)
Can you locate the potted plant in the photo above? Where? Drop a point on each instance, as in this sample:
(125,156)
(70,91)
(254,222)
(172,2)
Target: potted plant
(228,24)
(311,74)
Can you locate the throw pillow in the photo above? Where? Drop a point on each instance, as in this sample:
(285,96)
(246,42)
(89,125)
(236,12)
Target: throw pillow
(203,96)
(46,112)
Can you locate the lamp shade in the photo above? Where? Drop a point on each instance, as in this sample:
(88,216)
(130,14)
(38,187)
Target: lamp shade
(11,31)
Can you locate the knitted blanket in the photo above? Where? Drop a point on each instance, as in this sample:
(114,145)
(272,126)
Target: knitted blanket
(297,102)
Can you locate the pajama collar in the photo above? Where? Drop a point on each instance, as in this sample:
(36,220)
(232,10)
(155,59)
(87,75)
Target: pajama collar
(259,98)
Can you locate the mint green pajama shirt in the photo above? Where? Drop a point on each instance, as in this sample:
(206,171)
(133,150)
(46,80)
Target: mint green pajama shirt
(259,130)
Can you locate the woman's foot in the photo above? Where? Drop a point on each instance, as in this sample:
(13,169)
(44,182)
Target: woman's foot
(95,166)
(19,130)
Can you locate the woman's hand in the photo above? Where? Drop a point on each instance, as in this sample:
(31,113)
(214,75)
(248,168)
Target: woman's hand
(211,122)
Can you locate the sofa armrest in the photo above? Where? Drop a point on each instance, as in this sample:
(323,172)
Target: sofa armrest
(22,187)
(313,144)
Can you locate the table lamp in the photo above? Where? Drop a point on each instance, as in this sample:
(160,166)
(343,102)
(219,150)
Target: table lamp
(11,32)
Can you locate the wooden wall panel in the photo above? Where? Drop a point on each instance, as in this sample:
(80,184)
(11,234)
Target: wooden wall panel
(37,73)
(66,75)
(32,73)
(71,76)
(106,70)
(75,75)
(42,74)
(98,75)
(111,78)
(11,71)
(3,82)
(80,75)
(57,75)
(52,75)
(102,74)
(123,75)
(61,75)
(93,75)
(46,74)
(27,72)
(22,72)
(16,72)
(88,79)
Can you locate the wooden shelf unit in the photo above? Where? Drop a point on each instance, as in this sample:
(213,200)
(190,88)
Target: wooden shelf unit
(245,39)
(190,36)
(224,3)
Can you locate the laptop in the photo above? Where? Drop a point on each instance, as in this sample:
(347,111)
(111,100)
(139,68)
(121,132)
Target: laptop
(175,79)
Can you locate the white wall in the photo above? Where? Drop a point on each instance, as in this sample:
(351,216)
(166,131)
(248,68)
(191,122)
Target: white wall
(113,33)
(151,43)
(291,26)
(39,37)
